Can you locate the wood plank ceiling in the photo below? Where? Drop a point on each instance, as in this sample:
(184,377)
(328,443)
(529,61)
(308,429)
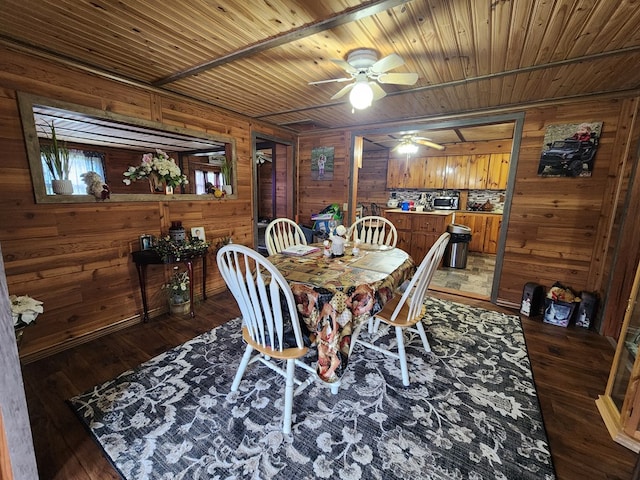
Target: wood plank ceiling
(258,57)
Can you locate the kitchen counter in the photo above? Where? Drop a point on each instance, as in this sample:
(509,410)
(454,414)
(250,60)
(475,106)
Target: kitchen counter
(431,212)
(493,212)
(418,231)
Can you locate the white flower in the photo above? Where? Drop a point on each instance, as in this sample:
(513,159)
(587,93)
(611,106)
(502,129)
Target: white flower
(24,310)
(159,165)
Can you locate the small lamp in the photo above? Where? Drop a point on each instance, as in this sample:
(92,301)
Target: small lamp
(361,94)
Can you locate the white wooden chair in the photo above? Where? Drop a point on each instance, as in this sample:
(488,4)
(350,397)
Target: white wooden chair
(373,230)
(282,233)
(258,288)
(406,312)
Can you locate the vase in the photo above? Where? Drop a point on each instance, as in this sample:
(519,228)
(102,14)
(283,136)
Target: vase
(62,187)
(156,184)
(180,308)
(177,232)
(227,189)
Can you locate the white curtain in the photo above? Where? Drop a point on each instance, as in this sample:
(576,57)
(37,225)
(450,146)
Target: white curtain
(81,161)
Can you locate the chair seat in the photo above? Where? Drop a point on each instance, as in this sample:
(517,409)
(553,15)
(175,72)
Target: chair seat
(402,319)
(285,354)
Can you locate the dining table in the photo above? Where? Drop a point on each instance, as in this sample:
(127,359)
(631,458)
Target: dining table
(335,295)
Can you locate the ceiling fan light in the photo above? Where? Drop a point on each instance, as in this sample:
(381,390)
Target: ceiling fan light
(408,148)
(361,95)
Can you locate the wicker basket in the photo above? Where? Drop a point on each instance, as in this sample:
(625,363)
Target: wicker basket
(180,308)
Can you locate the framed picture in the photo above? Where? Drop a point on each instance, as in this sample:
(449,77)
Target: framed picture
(146,242)
(198,232)
(569,149)
(322,163)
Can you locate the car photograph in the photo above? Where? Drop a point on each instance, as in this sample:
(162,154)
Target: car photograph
(568,157)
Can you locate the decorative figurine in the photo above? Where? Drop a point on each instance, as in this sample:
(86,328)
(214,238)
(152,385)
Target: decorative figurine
(327,248)
(338,240)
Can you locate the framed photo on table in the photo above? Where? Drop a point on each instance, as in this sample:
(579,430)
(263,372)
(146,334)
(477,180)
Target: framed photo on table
(198,232)
(146,242)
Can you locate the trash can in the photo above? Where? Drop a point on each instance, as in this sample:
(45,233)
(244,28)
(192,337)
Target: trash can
(455,255)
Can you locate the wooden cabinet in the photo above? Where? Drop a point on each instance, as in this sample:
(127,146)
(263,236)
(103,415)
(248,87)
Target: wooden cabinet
(620,404)
(454,172)
(498,171)
(417,232)
(485,230)
(457,173)
(406,172)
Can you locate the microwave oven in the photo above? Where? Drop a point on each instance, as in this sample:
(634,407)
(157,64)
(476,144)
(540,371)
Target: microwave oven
(446,203)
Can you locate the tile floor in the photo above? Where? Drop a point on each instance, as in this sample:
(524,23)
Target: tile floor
(476,279)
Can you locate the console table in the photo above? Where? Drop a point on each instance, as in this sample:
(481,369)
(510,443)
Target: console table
(150,257)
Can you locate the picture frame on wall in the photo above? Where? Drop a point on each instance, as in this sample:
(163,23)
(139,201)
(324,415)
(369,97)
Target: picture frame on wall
(322,163)
(569,149)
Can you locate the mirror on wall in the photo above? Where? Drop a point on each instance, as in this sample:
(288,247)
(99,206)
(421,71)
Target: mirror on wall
(81,145)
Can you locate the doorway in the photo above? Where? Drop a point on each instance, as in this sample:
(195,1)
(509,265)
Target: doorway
(481,280)
(273,184)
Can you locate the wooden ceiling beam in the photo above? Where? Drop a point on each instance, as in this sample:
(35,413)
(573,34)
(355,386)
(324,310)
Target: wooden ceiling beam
(367,9)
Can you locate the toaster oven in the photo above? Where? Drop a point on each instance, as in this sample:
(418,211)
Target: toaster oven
(446,203)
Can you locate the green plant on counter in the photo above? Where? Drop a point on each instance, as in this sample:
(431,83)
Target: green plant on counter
(56,156)
(225,170)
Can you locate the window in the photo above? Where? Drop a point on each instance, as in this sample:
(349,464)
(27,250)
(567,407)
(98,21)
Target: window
(80,161)
(204,177)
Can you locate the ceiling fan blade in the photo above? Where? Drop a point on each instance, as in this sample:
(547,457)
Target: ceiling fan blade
(387,63)
(399,78)
(318,82)
(344,65)
(428,143)
(378,92)
(343,91)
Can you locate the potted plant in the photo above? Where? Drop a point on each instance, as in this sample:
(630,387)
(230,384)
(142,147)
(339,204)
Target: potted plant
(225,170)
(178,292)
(24,311)
(56,157)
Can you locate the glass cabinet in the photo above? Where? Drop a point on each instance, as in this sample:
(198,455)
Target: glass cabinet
(620,404)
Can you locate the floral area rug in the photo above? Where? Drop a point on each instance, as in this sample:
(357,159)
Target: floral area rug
(471,411)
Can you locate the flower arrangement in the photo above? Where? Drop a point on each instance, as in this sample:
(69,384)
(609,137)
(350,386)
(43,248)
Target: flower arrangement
(167,248)
(56,156)
(24,310)
(178,287)
(158,168)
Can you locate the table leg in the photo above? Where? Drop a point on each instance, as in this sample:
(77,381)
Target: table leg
(189,265)
(142,278)
(204,276)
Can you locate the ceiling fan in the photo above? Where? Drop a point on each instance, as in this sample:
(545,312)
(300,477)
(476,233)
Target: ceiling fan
(409,144)
(368,72)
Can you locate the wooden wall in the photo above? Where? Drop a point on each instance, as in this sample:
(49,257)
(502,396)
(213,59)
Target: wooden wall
(559,229)
(372,179)
(314,195)
(265,190)
(76,257)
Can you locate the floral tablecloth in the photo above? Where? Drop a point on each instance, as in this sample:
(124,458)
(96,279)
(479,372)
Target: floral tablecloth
(335,295)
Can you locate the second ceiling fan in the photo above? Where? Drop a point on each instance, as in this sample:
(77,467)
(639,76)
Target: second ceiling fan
(409,142)
(368,72)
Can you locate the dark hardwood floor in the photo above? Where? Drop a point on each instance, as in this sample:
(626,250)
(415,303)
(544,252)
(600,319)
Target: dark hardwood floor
(570,366)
